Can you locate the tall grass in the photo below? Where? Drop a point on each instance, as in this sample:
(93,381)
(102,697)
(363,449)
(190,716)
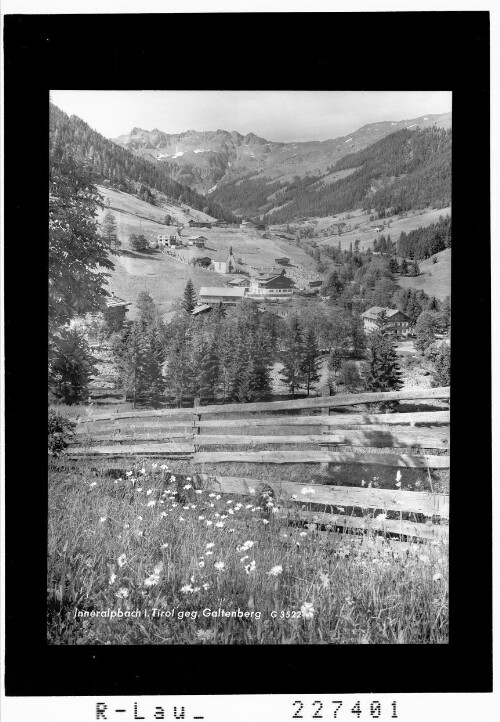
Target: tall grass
(144,542)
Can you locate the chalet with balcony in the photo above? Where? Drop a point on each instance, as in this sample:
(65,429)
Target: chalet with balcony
(387,320)
(213,295)
(268,286)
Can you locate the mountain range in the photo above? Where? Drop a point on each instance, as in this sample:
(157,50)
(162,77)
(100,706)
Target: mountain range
(206,161)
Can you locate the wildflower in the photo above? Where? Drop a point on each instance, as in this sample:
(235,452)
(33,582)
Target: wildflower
(209,553)
(218,496)
(398,476)
(275,570)
(129,473)
(209,523)
(140,518)
(306,491)
(244,558)
(294,496)
(205,586)
(154,466)
(174,505)
(244,547)
(187,588)
(251,490)
(112,578)
(186,508)
(164,546)
(275,510)
(210,545)
(158,568)
(223,516)
(139,489)
(193,506)
(325,581)
(250,567)
(230,501)
(103,518)
(423,558)
(181,518)
(152,502)
(152,580)
(248,506)
(94,483)
(164,467)
(307,610)
(122,593)
(212,504)
(201,518)
(122,560)
(264,521)
(204,634)
(220,524)
(211,495)
(198,491)
(142,471)
(231,530)
(398,484)
(201,563)
(164,513)
(231,511)
(172,478)
(219,566)
(303,533)
(188,486)
(436,577)
(149,491)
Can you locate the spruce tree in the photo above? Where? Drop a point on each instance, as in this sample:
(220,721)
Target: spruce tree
(292,356)
(311,365)
(384,371)
(243,378)
(358,336)
(109,229)
(189,301)
(262,360)
(209,372)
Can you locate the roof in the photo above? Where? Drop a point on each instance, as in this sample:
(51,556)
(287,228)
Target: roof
(376,311)
(222,291)
(114,302)
(201,309)
(197,238)
(221,256)
(284,258)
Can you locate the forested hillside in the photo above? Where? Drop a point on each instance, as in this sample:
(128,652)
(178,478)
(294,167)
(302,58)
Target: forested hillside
(403,171)
(123,169)
(425,242)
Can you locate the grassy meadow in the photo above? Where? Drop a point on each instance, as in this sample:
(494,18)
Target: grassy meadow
(153,543)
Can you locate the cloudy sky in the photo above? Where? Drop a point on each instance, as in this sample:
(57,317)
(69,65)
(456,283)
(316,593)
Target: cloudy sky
(275,115)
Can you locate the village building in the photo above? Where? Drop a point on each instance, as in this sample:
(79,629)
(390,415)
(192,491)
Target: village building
(239,282)
(315,284)
(282,261)
(224,262)
(201,308)
(213,295)
(168,240)
(387,320)
(272,286)
(198,241)
(203,261)
(247,225)
(200,224)
(114,310)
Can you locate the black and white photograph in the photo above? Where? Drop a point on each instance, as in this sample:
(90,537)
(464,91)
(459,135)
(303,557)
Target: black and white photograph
(249,367)
(230,292)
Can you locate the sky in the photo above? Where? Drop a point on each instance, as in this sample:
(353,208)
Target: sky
(283,116)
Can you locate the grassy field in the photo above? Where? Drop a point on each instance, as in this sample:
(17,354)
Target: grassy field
(434,278)
(164,277)
(164,557)
(414,219)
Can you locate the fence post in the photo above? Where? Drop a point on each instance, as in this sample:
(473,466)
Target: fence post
(196,420)
(325,429)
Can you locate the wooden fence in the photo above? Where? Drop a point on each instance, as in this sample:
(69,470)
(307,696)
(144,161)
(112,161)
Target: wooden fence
(343,434)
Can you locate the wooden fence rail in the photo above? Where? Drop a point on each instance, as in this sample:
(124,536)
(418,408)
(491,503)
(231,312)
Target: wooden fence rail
(397,440)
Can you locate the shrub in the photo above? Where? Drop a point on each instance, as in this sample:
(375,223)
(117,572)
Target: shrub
(60,432)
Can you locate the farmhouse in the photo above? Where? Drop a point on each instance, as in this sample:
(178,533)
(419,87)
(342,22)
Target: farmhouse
(203,261)
(168,241)
(198,241)
(282,261)
(199,224)
(388,320)
(239,282)
(219,294)
(224,262)
(274,285)
(113,310)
